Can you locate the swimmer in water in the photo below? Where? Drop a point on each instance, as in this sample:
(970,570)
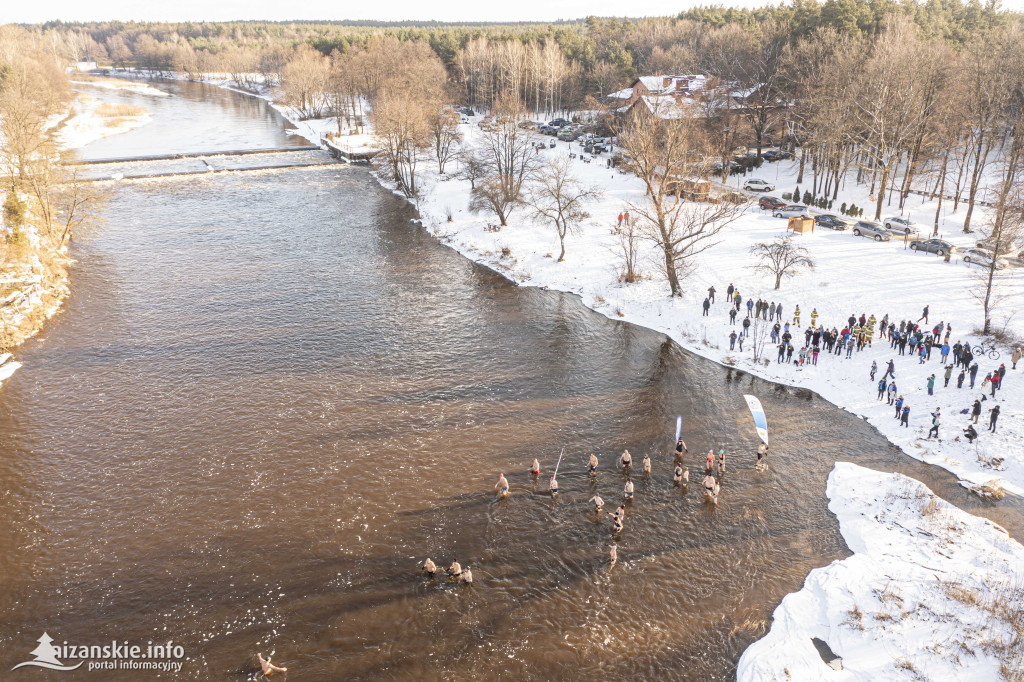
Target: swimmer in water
(627,491)
(709,484)
(625,459)
(686,475)
(267,667)
(553,485)
(617,524)
(647,464)
(711,461)
(613,554)
(502,485)
(598,502)
(680,449)
(620,512)
(592,464)
(429,568)
(455,570)
(762,456)
(677,477)
(535,469)
(721,462)
(467,575)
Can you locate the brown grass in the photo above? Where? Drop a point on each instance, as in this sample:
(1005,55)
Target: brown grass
(108,110)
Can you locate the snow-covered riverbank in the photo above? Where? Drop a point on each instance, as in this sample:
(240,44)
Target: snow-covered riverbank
(931,592)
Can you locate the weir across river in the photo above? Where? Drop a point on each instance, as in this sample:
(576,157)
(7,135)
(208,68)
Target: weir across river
(171,165)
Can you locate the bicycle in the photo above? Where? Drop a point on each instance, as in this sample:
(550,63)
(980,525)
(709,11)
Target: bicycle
(985,349)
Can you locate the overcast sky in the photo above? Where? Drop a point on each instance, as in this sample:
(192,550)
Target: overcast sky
(20,11)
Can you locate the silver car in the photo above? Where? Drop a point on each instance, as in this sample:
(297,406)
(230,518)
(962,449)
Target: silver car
(898,225)
(864,228)
(758,186)
(983,257)
(790,211)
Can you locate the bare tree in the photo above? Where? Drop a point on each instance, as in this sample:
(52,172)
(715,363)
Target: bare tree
(628,249)
(511,160)
(444,132)
(669,153)
(781,257)
(559,197)
(304,79)
(471,167)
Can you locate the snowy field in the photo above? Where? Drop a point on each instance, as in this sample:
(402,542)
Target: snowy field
(931,593)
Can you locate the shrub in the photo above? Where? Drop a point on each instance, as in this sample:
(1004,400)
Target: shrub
(808,198)
(796,193)
(830,204)
(787,196)
(14,210)
(842,209)
(852,211)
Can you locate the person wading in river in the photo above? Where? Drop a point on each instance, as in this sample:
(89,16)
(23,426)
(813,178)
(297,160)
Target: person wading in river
(680,449)
(625,459)
(710,461)
(467,576)
(535,469)
(711,488)
(592,463)
(627,491)
(613,555)
(267,667)
(429,568)
(502,486)
(762,457)
(721,462)
(598,502)
(553,486)
(455,570)
(647,464)
(677,477)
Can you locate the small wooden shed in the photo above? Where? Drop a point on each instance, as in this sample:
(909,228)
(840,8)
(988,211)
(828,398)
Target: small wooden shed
(801,225)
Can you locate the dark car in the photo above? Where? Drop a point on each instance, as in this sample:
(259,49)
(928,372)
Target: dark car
(558,123)
(938,246)
(770,203)
(832,222)
(776,155)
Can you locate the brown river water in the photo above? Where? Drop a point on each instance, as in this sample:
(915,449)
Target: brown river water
(272,395)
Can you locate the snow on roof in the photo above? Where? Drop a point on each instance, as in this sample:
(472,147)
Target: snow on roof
(622,94)
(666,107)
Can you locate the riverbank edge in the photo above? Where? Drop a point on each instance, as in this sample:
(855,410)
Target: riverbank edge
(26,310)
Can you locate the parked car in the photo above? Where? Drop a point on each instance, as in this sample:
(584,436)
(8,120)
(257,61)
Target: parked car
(758,186)
(1007,249)
(832,222)
(984,257)
(898,225)
(864,228)
(568,134)
(790,211)
(776,155)
(547,129)
(770,203)
(558,122)
(938,246)
(596,145)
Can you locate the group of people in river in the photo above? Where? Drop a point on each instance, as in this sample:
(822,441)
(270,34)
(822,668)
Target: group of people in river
(455,573)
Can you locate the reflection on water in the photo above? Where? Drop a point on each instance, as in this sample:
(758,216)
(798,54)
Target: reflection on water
(198,117)
(271,397)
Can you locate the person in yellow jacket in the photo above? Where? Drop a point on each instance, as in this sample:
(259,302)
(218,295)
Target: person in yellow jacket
(814,318)
(871,328)
(796,316)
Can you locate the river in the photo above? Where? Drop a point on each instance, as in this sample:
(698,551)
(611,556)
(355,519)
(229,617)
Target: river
(271,395)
